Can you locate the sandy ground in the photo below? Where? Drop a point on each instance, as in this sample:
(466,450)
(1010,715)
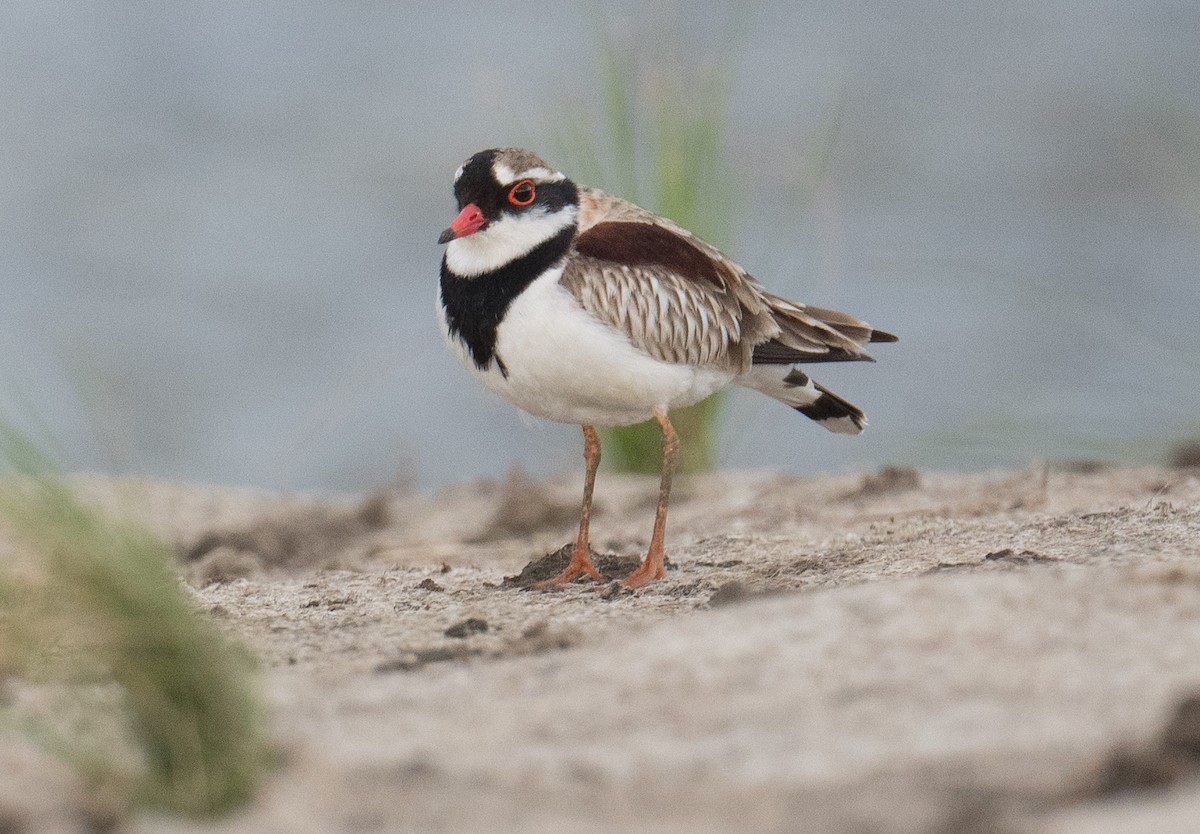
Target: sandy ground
(1009,652)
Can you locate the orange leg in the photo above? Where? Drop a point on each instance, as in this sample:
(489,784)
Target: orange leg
(652,567)
(581,557)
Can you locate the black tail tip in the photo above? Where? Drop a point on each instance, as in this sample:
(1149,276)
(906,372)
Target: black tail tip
(835,414)
(883,336)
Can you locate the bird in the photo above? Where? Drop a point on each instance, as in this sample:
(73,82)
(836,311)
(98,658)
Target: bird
(581,307)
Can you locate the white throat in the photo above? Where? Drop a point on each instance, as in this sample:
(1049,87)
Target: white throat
(504,241)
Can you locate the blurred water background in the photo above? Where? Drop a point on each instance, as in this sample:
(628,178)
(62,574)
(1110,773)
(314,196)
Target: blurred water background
(218,224)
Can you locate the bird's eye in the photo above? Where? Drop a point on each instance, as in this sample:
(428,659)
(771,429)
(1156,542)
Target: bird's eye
(522,193)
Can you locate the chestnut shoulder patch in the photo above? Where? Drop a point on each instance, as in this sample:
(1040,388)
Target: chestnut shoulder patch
(645,244)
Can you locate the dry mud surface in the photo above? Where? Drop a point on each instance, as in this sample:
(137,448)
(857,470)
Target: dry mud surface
(882,652)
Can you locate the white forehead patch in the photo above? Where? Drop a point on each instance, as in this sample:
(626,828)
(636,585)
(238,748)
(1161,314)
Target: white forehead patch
(458,173)
(506,175)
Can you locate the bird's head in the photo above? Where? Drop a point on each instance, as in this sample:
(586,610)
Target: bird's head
(509,202)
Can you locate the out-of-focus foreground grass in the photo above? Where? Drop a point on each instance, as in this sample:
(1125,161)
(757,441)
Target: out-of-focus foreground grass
(91,611)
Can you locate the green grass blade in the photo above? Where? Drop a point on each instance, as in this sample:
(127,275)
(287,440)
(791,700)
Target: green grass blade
(105,608)
(664,124)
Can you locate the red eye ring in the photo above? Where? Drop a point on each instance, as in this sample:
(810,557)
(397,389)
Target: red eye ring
(522,194)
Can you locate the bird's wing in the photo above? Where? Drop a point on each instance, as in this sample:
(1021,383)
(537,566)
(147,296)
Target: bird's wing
(814,334)
(672,318)
(681,300)
(675,296)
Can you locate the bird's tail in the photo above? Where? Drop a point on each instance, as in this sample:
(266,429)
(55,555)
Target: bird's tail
(793,387)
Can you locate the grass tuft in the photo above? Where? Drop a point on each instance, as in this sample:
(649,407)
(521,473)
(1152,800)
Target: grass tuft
(90,603)
(662,123)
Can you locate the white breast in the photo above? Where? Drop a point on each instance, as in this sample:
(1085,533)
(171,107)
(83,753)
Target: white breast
(564,364)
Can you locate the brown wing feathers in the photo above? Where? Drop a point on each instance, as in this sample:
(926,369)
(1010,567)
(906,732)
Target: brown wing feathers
(672,298)
(681,300)
(661,313)
(645,244)
(814,334)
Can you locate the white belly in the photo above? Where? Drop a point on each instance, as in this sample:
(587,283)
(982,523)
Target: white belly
(564,364)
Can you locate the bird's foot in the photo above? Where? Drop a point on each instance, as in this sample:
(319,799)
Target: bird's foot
(650,570)
(580,565)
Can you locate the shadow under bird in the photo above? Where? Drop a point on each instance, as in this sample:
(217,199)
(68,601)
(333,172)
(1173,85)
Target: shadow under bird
(583,308)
